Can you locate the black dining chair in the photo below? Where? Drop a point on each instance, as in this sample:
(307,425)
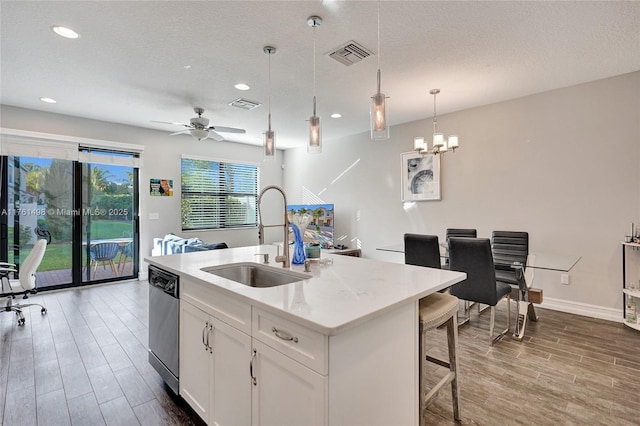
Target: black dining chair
(473,256)
(422,250)
(461,232)
(509,247)
(513,267)
(458,232)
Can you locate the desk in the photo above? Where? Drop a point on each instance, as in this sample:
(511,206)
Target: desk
(541,260)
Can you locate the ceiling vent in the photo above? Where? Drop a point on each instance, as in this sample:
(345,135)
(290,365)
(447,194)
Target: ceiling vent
(245,104)
(350,53)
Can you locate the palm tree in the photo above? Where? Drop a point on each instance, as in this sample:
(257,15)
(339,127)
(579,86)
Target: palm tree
(99,178)
(317,214)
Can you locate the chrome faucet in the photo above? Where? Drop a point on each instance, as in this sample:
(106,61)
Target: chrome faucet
(285,256)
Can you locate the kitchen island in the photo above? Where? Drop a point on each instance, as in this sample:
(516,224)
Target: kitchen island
(338,347)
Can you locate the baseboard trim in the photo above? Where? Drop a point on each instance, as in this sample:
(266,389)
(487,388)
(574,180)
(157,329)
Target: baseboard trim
(584,309)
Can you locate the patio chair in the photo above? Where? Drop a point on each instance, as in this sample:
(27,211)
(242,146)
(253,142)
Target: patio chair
(104,252)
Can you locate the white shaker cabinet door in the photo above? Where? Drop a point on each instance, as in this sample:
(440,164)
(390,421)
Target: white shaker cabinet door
(194,359)
(286,393)
(231,382)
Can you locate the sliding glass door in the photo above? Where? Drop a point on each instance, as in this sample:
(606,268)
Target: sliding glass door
(86,210)
(39,204)
(109,225)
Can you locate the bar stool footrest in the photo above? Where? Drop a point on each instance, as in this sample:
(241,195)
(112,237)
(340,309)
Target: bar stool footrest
(434,391)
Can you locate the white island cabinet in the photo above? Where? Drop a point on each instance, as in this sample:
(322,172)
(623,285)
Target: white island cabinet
(337,348)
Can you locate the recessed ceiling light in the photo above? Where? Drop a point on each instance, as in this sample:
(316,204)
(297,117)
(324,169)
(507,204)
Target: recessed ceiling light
(48,100)
(336,115)
(242,86)
(64,32)
(186,67)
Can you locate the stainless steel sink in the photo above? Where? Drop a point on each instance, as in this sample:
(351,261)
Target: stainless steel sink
(256,275)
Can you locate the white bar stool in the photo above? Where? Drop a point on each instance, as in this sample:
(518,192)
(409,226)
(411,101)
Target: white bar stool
(435,310)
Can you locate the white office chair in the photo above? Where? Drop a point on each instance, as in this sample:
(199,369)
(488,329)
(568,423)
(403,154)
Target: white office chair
(26,282)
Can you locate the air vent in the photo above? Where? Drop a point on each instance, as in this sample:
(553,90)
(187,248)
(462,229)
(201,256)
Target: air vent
(350,53)
(245,104)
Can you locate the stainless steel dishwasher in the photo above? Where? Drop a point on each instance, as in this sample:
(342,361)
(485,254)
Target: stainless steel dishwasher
(164,311)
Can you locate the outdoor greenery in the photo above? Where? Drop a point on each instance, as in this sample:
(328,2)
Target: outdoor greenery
(52,187)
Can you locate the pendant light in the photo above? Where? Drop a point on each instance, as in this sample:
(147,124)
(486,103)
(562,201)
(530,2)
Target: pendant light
(378,113)
(315,131)
(269,135)
(440,146)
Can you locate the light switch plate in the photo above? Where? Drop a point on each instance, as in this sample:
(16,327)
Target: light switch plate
(154,216)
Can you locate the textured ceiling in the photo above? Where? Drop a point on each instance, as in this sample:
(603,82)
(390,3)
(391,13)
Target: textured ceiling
(128,66)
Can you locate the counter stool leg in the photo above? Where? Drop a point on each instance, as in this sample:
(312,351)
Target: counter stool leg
(452,341)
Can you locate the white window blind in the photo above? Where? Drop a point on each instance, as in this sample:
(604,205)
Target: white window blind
(218,194)
(38,148)
(109,157)
(46,145)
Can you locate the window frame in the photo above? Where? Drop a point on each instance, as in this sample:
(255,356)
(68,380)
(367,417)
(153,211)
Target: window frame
(219,190)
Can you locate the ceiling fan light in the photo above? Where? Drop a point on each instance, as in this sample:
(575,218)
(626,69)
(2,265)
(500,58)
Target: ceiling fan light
(270,145)
(199,134)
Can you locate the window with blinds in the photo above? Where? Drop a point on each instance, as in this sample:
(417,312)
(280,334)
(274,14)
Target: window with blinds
(217,194)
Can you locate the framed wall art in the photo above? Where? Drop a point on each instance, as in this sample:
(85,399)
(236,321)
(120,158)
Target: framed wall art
(420,176)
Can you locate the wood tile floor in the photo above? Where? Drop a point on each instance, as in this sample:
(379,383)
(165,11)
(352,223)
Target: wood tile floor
(568,370)
(85,363)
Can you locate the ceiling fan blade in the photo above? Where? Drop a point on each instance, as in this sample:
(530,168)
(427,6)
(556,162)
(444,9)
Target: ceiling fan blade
(215,136)
(226,129)
(179,133)
(174,123)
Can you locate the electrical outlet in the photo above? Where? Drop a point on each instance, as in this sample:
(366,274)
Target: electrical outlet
(564,279)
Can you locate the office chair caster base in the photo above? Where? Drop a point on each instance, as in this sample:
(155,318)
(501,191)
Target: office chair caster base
(21,320)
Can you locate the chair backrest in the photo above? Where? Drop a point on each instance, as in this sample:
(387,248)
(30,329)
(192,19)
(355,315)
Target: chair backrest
(422,250)
(473,256)
(27,274)
(104,251)
(509,247)
(461,232)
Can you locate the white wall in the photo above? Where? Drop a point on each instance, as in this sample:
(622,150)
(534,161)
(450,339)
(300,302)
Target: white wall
(161,160)
(562,165)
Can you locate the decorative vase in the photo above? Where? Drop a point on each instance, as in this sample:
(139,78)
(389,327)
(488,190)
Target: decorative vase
(298,256)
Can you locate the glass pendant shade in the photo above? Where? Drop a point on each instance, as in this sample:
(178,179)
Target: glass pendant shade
(269,142)
(419,144)
(379,127)
(269,145)
(315,135)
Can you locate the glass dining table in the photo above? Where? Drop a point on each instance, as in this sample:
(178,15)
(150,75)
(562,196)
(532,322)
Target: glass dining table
(535,261)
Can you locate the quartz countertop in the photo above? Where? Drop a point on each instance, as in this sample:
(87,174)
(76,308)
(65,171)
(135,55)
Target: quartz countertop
(336,297)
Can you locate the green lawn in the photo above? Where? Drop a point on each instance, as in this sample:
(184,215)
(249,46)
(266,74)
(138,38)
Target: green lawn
(58,254)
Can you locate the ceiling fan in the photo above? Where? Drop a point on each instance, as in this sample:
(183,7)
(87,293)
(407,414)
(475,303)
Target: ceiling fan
(199,127)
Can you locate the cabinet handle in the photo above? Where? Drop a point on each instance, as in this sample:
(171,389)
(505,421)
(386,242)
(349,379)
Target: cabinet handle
(206,344)
(284,336)
(253,378)
(209,334)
